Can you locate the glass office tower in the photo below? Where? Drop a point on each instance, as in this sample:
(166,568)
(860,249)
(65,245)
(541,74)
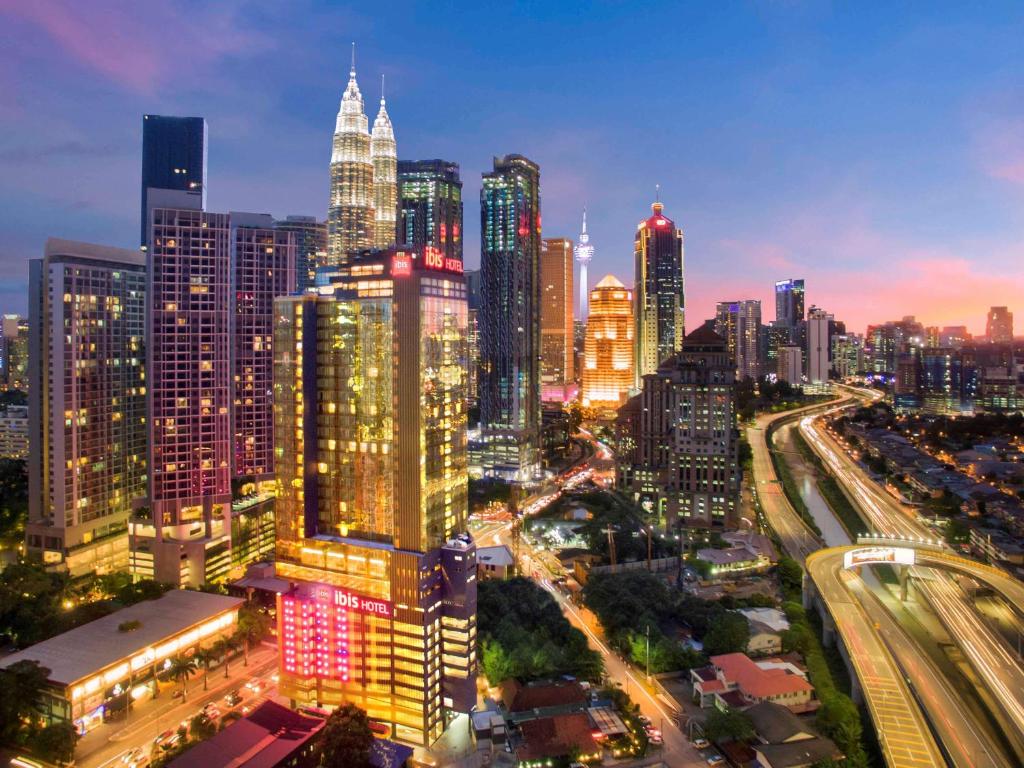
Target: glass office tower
(658,290)
(430,205)
(173,157)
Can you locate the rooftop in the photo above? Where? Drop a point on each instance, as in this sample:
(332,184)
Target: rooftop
(755,681)
(557,736)
(497,556)
(775,724)
(560,693)
(85,650)
(798,753)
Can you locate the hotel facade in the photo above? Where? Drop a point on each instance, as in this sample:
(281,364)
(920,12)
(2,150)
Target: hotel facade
(370,437)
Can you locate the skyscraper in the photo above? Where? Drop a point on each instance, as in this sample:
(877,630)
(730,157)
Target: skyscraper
(430,205)
(173,157)
(510,411)
(87,404)
(584,254)
(369,405)
(790,364)
(556,268)
(310,246)
(385,190)
(819,343)
(262,268)
(473,335)
(999,325)
(350,214)
(14,336)
(847,354)
(739,323)
(608,347)
(683,460)
(789,303)
(658,288)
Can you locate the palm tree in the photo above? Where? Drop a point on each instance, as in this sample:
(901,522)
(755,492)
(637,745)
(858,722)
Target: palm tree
(229,644)
(204,657)
(253,626)
(180,670)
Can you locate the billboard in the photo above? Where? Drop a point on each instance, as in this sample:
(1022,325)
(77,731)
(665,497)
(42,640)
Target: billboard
(879,556)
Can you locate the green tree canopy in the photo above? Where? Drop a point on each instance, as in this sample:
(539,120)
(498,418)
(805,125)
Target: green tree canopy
(728,633)
(730,725)
(345,740)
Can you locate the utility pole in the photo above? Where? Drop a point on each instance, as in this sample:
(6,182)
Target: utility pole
(513,506)
(611,545)
(648,656)
(648,530)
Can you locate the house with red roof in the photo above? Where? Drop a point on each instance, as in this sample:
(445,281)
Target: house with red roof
(734,680)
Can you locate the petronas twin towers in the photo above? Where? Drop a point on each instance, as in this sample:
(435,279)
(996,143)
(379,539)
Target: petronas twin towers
(364,193)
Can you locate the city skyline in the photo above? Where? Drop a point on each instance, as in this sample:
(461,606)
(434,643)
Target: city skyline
(936,198)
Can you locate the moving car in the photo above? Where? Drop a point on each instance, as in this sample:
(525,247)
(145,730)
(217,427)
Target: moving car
(701,743)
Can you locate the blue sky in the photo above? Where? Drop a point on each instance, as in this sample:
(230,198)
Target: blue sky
(875,149)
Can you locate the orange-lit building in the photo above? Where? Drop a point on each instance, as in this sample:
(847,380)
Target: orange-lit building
(608,347)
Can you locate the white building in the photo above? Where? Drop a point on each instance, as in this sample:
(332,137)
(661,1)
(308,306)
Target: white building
(818,324)
(791,363)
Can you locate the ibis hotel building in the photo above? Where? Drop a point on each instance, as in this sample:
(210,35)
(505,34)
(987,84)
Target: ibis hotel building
(370,440)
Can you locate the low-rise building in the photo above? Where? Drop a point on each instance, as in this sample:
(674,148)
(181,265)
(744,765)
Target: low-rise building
(495,562)
(754,681)
(95,668)
(766,628)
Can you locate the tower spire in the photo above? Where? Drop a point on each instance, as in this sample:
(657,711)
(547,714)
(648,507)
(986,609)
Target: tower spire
(382,89)
(583,234)
(352,71)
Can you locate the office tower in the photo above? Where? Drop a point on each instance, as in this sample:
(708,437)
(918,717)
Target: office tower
(584,255)
(556,365)
(739,323)
(790,365)
(87,404)
(658,288)
(608,367)
(510,412)
(682,461)
(430,205)
(941,382)
(188,363)
(954,336)
(999,325)
(789,302)
(14,353)
(907,381)
(369,407)
(473,334)
(883,343)
(579,336)
(847,355)
(350,213)
(262,268)
(818,345)
(775,336)
(384,155)
(173,157)
(310,246)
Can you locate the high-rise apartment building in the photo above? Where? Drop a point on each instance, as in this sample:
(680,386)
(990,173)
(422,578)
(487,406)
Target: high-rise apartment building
(955,336)
(999,325)
(847,354)
(584,253)
(14,336)
(885,342)
(384,154)
(789,303)
(310,246)
(350,213)
(87,404)
(683,460)
(556,297)
(510,410)
(608,349)
(430,205)
(262,268)
(790,365)
(173,157)
(739,323)
(658,291)
(819,323)
(473,334)
(369,402)
(774,336)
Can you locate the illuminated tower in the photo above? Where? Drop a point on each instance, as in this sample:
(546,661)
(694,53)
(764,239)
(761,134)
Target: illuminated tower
(608,348)
(584,253)
(556,365)
(385,189)
(510,351)
(430,205)
(658,250)
(370,423)
(350,215)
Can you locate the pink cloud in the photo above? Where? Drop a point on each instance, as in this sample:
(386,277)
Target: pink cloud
(133,52)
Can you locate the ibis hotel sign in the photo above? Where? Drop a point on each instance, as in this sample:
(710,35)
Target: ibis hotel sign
(352,601)
(879,556)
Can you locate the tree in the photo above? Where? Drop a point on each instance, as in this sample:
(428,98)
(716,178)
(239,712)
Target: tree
(202,727)
(204,657)
(730,725)
(253,626)
(22,684)
(345,739)
(227,646)
(181,669)
(729,633)
(791,575)
(13,500)
(56,742)
(839,719)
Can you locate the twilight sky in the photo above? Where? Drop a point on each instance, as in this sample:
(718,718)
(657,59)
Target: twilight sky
(875,149)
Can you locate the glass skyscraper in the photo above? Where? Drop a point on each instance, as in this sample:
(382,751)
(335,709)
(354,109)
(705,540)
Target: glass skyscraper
(310,246)
(658,291)
(430,205)
(370,415)
(789,302)
(510,350)
(173,157)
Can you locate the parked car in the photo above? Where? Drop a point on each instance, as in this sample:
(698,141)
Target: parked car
(716,760)
(701,743)
(233,699)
